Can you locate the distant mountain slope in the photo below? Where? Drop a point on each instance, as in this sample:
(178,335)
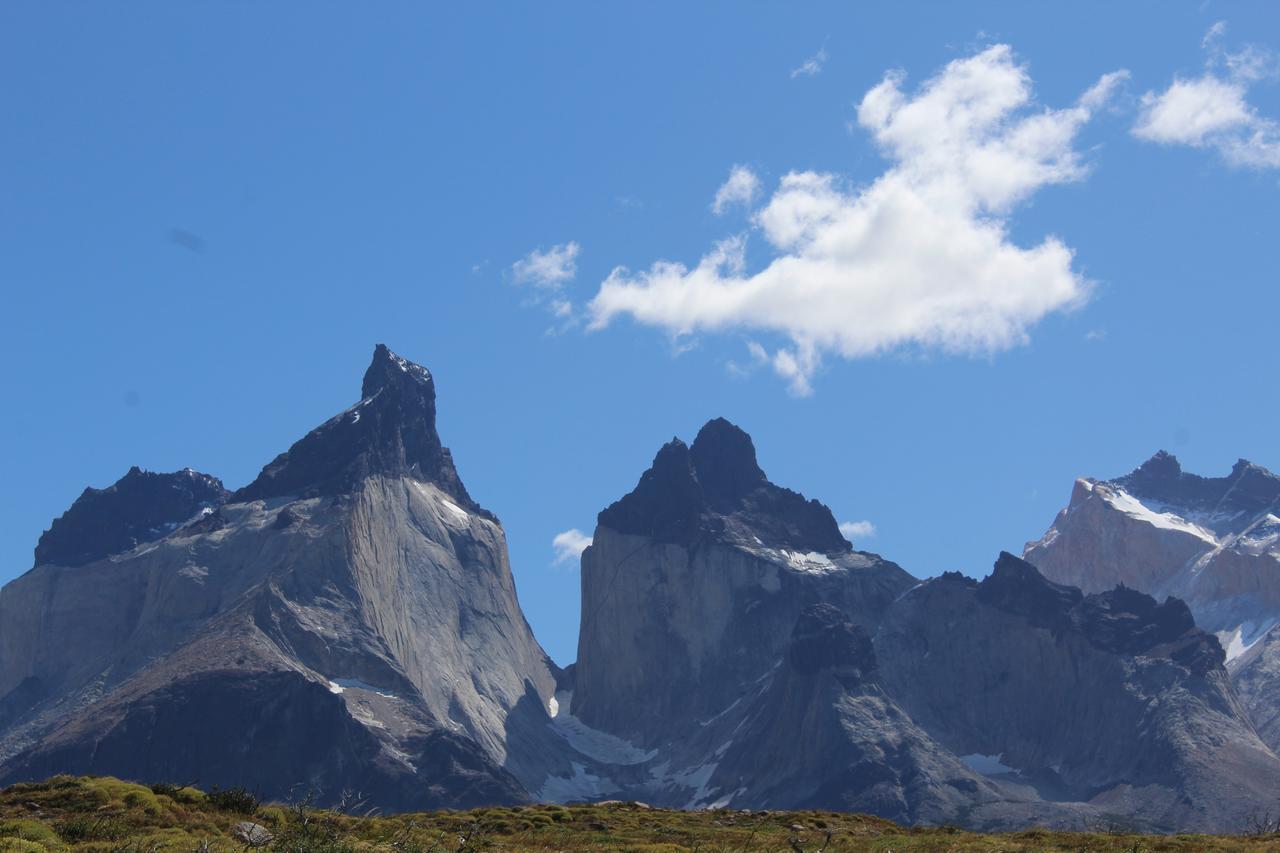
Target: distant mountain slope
(1212,541)
(1110,699)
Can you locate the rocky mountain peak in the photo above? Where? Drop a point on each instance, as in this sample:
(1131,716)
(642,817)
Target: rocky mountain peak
(391,432)
(141,506)
(1163,466)
(725,459)
(389,369)
(717,489)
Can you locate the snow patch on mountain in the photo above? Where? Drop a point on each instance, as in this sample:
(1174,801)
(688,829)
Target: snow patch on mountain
(1162,517)
(593,743)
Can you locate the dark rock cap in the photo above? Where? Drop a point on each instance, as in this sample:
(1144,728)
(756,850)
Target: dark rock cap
(141,506)
(1248,488)
(715,489)
(390,432)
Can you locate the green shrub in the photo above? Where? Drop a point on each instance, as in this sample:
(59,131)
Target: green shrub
(238,800)
(84,828)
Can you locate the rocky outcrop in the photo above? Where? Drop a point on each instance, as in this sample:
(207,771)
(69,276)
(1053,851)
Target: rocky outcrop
(140,507)
(349,620)
(1111,700)
(825,735)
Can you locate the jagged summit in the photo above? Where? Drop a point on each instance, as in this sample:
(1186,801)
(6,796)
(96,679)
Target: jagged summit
(716,488)
(1162,466)
(141,506)
(387,368)
(1249,488)
(1121,620)
(390,432)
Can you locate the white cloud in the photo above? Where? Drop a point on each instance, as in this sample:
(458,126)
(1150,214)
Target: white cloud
(919,257)
(551,269)
(569,545)
(855,530)
(1212,110)
(1215,32)
(811,66)
(741,187)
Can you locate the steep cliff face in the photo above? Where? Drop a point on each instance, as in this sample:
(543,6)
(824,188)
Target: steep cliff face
(693,584)
(351,613)
(1111,699)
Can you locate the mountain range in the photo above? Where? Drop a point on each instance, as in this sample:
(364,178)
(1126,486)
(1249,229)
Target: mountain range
(348,621)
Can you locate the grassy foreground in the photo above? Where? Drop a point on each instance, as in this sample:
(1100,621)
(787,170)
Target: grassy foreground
(105,814)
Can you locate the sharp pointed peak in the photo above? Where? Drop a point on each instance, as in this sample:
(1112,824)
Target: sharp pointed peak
(387,368)
(1162,464)
(391,432)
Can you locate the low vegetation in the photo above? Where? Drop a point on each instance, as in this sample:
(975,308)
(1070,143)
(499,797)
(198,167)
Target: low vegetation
(108,815)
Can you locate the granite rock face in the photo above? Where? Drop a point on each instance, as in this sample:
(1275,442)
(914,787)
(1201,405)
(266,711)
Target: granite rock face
(347,621)
(1111,700)
(695,580)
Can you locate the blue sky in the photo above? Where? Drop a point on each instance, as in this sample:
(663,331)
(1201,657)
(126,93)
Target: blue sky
(210,213)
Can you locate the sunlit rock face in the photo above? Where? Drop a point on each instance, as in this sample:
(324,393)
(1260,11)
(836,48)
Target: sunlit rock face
(1213,542)
(346,621)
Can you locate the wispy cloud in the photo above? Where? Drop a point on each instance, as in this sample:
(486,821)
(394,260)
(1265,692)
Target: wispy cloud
(569,545)
(922,256)
(811,66)
(857,530)
(1212,110)
(550,269)
(546,272)
(740,188)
